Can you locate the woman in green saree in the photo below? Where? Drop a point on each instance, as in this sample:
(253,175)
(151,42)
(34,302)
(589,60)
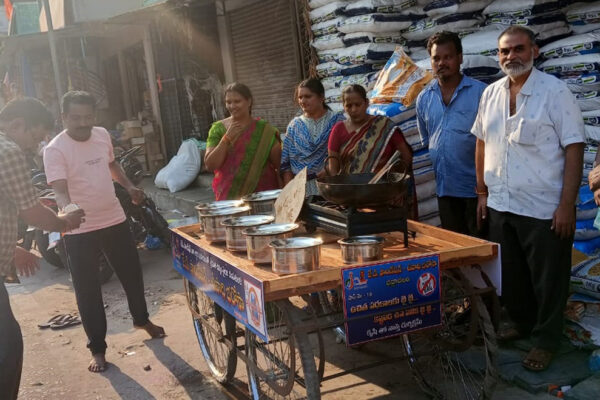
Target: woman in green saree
(244,152)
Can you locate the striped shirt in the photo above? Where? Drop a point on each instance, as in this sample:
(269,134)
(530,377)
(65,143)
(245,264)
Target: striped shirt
(17,194)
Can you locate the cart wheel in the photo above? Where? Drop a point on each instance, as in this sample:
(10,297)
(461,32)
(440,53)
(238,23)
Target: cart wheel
(215,330)
(437,357)
(273,367)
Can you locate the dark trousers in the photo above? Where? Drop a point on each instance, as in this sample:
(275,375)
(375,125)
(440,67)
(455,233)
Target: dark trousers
(83,250)
(11,349)
(459,214)
(536,266)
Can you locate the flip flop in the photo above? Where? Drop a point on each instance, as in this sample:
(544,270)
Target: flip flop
(69,320)
(52,320)
(537,359)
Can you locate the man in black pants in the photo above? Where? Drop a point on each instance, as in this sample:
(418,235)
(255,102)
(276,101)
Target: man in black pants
(23,124)
(446,110)
(80,166)
(529,158)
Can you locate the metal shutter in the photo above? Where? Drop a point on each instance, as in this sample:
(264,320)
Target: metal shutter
(266,58)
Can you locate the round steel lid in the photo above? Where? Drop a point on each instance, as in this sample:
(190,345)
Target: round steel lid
(262,196)
(223,211)
(219,204)
(270,229)
(248,220)
(296,243)
(358,240)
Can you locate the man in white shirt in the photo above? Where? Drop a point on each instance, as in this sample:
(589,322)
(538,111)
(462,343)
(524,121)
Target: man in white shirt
(529,158)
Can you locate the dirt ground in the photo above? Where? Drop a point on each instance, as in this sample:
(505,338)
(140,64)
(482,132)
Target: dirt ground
(55,362)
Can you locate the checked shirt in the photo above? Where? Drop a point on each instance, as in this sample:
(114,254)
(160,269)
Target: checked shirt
(16,194)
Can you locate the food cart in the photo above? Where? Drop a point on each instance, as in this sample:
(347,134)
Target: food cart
(418,293)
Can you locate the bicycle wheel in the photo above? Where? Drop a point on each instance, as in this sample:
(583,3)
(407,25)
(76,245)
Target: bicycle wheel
(438,358)
(215,330)
(274,367)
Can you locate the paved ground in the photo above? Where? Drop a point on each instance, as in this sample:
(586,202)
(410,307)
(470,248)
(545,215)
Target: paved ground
(55,361)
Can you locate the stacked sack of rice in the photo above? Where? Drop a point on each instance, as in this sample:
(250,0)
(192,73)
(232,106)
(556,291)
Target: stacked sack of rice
(544,17)
(576,61)
(354,39)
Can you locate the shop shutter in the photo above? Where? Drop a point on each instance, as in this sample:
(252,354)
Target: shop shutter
(266,57)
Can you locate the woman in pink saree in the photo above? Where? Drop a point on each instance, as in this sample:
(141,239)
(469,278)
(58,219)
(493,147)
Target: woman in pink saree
(244,152)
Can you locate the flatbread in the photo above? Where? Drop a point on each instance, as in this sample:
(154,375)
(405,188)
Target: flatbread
(289,203)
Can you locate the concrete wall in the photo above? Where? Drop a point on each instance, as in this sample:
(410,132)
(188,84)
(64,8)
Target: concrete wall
(93,10)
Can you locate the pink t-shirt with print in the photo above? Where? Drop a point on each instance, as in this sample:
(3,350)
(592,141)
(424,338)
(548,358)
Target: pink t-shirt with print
(85,166)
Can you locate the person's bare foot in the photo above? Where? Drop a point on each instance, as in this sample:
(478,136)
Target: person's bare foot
(154,331)
(98,363)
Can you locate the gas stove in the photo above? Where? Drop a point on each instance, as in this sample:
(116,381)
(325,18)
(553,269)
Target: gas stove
(349,221)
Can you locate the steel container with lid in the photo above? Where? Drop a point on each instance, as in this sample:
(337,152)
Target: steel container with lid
(259,237)
(262,202)
(361,248)
(295,255)
(234,238)
(211,220)
(216,205)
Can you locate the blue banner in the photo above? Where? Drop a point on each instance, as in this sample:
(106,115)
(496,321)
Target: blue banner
(391,298)
(238,293)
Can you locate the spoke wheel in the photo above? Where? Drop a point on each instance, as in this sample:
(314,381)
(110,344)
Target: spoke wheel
(273,368)
(440,358)
(215,330)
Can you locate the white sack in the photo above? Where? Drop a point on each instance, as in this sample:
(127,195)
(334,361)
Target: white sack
(181,170)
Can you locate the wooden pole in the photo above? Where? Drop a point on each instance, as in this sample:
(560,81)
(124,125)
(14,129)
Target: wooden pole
(151,72)
(53,53)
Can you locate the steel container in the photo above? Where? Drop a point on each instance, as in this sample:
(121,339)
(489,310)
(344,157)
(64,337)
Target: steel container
(215,205)
(259,237)
(211,220)
(262,203)
(295,255)
(234,238)
(358,249)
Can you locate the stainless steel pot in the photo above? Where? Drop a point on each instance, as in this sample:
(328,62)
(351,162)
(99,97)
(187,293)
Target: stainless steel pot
(215,205)
(234,238)
(259,237)
(211,220)
(361,248)
(295,255)
(262,202)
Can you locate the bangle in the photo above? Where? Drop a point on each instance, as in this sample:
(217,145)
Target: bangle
(483,192)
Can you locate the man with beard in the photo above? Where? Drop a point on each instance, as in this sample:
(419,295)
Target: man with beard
(80,166)
(529,159)
(446,110)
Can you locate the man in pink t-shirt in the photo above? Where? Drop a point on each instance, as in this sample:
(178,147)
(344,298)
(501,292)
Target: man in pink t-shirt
(80,166)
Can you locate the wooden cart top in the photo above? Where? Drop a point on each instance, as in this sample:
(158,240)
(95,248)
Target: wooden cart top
(454,249)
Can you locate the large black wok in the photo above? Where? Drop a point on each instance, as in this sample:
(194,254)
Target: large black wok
(355,191)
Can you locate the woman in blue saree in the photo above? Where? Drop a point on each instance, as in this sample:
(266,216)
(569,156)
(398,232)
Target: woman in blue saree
(305,143)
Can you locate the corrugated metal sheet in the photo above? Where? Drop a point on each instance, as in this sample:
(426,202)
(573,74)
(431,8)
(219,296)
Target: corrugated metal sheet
(266,58)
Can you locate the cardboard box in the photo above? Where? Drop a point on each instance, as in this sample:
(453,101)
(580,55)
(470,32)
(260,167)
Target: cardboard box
(133,132)
(134,123)
(136,141)
(148,129)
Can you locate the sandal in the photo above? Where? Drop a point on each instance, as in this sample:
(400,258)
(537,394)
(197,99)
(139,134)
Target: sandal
(52,320)
(537,359)
(68,320)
